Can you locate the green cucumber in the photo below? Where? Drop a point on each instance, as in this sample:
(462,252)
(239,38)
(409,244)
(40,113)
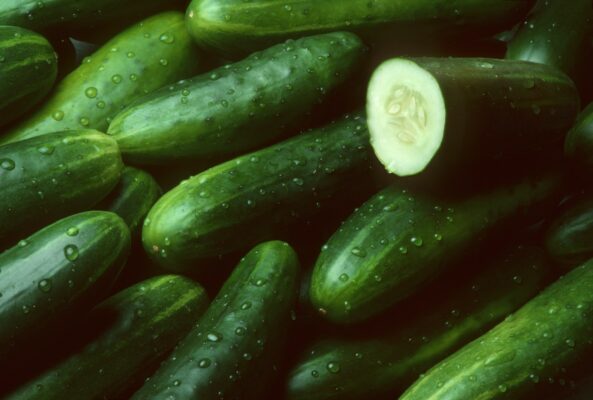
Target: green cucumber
(58,272)
(125,338)
(569,239)
(533,345)
(79,15)
(49,177)
(418,107)
(234,27)
(148,55)
(28,70)
(397,241)
(579,141)
(387,359)
(254,197)
(555,33)
(232,352)
(236,108)
(133,197)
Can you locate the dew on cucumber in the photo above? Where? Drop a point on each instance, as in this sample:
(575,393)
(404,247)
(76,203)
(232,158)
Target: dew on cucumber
(71,252)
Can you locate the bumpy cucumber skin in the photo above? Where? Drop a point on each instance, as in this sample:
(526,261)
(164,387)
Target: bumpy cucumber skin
(109,80)
(397,241)
(234,27)
(555,34)
(139,326)
(546,335)
(28,70)
(79,15)
(232,352)
(49,177)
(385,362)
(579,141)
(133,197)
(59,271)
(253,197)
(236,108)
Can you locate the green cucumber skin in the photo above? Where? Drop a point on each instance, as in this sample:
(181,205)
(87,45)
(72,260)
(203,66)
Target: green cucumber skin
(579,141)
(49,177)
(554,34)
(236,108)
(569,238)
(253,197)
(133,197)
(233,350)
(113,79)
(386,362)
(397,241)
(546,335)
(58,270)
(28,70)
(139,326)
(79,15)
(234,27)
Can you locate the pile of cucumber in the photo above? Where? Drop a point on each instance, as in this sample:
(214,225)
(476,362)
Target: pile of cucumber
(296,199)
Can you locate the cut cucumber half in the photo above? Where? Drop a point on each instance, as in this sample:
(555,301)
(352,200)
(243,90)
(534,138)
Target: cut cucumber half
(406,116)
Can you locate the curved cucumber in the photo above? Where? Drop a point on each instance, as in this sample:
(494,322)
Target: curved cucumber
(397,241)
(554,34)
(466,112)
(254,197)
(579,141)
(139,60)
(57,272)
(133,197)
(234,27)
(387,359)
(28,70)
(232,352)
(236,108)
(51,176)
(546,335)
(125,338)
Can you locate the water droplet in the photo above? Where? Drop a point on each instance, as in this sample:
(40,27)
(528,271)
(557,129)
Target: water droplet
(204,363)
(167,38)
(45,285)
(25,309)
(85,121)
(246,305)
(358,252)
(260,282)
(344,277)
(58,115)
(438,237)
(7,164)
(23,243)
(116,79)
(403,250)
(502,388)
(101,104)
(71,252)
(176,382)
(570,343)
(315,373)
(333,367)
(298,181)
(486,65)
(390,207)
(214,337)
(91,92)
(46,150)
(240,331)
(416,241)
(247,356)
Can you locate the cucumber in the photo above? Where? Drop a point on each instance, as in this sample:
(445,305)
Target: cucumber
(49,177)
(398,240)
(234,27)
(133,197)
(256,196)
(236,108)
(579,142)
(124,339)
(472,111)
(554,34)
(79,15)
(569,239)
(232,352)
(57,272)
(28,70)
(533,345)
(148,55)
(385,360)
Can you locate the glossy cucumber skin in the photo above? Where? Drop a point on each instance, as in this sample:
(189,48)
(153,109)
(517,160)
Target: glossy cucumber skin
(133,197)
(58,272)
(234,27)
(397,241)
(385,360)
(549,333)
(133,331)
(28,70)
(253,197)
(579,141)
(236,108)
(148,55)
(554,34)
(233,350)
(49,177)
